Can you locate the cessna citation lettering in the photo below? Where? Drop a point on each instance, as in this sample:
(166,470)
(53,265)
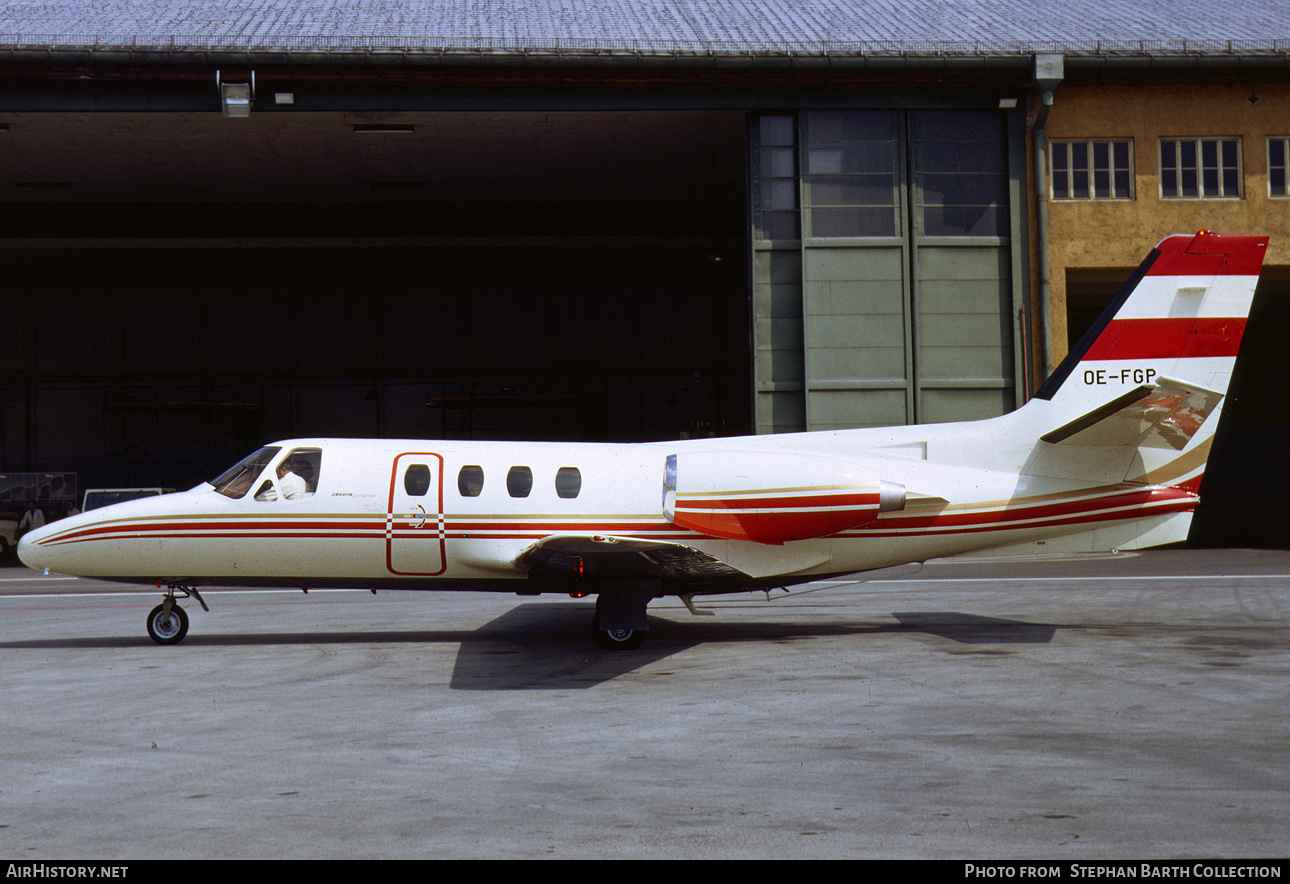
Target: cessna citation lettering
(1108,454)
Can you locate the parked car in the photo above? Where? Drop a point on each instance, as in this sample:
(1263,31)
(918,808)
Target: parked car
(8,534)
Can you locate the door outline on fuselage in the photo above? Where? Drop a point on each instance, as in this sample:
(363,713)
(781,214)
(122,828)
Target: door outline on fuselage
(411,531)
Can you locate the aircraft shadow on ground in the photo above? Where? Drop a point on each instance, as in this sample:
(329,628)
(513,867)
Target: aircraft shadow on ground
(973,629)
(545,645)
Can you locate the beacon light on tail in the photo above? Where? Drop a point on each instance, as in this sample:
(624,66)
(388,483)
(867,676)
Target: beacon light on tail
(1109,454)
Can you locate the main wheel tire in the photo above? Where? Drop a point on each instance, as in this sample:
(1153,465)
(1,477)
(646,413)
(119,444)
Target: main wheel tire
(616,639)
(167,629)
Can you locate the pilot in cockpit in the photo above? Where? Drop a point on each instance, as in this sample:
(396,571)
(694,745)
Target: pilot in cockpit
(290,482)
(292,485)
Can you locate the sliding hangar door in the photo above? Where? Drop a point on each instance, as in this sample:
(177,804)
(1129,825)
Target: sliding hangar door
(888,266)
(184,287)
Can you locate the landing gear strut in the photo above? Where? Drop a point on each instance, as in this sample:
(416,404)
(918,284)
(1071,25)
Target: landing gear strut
(168,623)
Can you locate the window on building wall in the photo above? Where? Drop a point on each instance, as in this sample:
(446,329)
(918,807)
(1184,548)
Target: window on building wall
(1099,169)
(852,165)
(1200,168)
(1279,167)
(777,187)
(961,173)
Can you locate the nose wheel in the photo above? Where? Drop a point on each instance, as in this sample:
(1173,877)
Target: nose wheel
(168,623)
(167,627)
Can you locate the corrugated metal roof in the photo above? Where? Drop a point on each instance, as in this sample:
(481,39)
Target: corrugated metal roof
(974,27)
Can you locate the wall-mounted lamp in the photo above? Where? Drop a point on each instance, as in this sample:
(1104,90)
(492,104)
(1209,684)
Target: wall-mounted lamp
(236,98)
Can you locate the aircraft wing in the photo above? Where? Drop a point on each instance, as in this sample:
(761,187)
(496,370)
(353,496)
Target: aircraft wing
(575,556)
(1163,415)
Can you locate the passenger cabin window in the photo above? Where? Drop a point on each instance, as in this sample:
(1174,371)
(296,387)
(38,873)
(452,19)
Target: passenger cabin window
(519,482)
(470,481)
(568,482)
(416,481)
(295,477)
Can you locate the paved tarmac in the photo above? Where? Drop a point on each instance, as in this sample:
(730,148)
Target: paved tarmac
(1125,706)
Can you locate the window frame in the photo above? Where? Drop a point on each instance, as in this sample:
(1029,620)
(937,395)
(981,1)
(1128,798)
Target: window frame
(1090,169)
(1284,167)
(1199,170)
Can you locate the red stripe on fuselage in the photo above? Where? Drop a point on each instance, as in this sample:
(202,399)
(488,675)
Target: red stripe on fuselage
(866,500)
(210,528)
(1119,505)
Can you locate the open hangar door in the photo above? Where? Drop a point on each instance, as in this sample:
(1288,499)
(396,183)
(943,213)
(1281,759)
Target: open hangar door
(185,287)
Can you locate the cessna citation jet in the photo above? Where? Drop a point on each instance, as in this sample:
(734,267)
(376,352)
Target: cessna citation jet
(1108,454)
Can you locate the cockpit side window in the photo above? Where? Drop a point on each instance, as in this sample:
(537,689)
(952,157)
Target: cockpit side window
(307,464)
(236,480)
(296,476)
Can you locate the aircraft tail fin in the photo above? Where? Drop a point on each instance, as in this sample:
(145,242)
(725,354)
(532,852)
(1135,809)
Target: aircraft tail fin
(1148,379)
(1181,315)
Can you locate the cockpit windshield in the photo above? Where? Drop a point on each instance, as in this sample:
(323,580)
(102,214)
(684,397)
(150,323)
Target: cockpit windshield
(236,481)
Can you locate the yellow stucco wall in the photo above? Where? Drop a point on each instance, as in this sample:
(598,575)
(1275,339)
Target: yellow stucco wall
(1118,233)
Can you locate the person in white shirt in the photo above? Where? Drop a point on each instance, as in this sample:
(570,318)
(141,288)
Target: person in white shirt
(291,484)
(31,520)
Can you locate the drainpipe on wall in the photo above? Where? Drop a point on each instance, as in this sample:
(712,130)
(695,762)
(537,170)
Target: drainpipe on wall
(1049,72)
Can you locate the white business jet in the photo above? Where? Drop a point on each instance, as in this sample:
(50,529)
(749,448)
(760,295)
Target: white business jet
(1108,454)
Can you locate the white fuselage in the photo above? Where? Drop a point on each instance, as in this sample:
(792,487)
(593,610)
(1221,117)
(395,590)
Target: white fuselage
(366,524)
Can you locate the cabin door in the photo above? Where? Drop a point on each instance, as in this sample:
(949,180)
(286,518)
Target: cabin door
(414,524)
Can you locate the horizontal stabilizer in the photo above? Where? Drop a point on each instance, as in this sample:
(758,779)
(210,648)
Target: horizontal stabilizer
(1166,414)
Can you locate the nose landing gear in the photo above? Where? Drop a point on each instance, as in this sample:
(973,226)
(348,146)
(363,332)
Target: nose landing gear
(168,623)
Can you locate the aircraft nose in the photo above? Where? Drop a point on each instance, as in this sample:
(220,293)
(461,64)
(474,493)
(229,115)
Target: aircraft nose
(30,553)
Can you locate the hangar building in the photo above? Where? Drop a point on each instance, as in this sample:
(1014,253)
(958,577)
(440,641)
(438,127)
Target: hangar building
(598,220)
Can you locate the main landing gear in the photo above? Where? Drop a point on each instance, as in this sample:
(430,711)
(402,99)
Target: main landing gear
(620,623)
(168,623)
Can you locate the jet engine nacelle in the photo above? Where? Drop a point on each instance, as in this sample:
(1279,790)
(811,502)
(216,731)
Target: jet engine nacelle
(772,497)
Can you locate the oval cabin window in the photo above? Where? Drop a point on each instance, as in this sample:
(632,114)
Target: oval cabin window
(470,481)
(568,482)
(416,481)
(519,482)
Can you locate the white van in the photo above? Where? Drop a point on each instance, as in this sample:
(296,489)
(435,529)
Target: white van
(97,497)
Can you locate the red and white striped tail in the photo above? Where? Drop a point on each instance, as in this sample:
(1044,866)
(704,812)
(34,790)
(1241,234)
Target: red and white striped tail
(1181,316)
(1152,372)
